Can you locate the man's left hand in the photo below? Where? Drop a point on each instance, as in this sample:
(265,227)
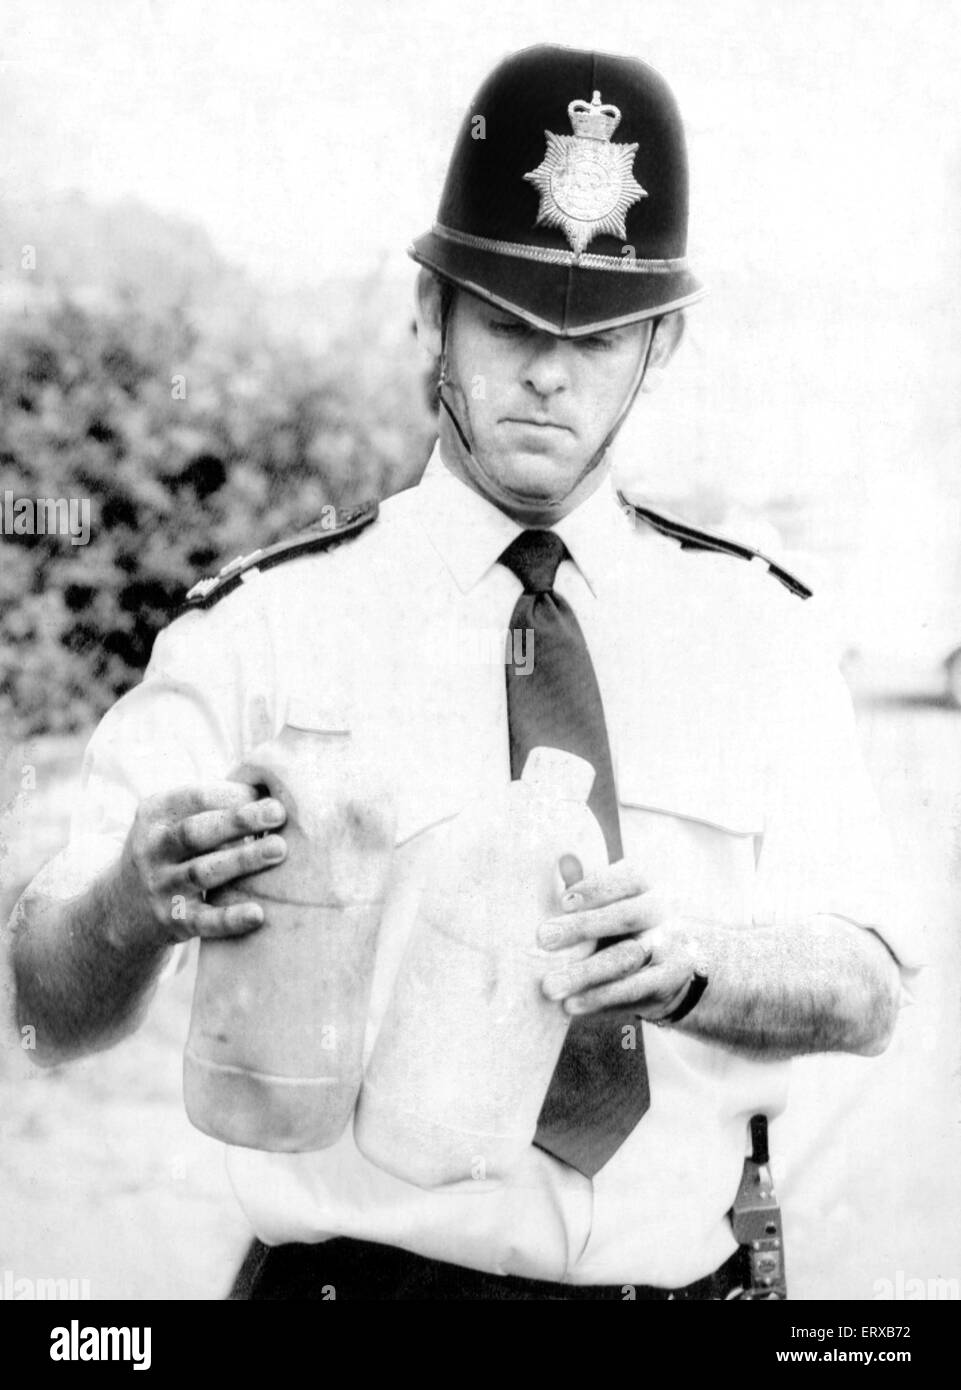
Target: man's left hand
(651,964)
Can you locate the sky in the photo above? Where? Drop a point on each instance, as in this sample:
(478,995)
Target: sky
(311,140)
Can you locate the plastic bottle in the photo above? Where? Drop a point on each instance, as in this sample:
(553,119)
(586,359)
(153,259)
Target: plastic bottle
(466,1051)
(274,1056)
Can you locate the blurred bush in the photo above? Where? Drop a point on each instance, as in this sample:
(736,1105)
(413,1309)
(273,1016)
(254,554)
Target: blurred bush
(200,424)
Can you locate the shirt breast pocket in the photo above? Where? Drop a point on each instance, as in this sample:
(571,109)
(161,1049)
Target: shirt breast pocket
(695,833)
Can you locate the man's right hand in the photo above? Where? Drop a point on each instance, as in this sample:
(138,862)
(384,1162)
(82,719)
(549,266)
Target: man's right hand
(184,843)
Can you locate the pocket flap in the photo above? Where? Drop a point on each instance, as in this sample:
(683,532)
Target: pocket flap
(710,790)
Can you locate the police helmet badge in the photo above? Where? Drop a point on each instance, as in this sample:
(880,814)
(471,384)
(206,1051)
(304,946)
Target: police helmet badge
(586,182)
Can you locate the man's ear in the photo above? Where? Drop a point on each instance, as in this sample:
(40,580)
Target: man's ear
(667,339)
(428,312)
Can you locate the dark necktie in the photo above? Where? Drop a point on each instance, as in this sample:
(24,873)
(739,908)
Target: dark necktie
(599,1089)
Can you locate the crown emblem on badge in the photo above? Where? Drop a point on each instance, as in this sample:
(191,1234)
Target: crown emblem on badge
(592,121)
(585,180)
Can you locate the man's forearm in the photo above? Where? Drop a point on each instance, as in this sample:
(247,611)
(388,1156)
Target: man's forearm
(823,986)
(83,968)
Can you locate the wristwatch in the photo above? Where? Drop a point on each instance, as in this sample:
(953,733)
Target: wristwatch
(689,1000)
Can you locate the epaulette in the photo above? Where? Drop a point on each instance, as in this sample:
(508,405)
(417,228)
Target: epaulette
(330,530)
(692,538)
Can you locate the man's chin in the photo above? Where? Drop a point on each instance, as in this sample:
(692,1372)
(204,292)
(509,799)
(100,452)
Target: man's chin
(537,480)
(536,496)
(528,485)
(537,486)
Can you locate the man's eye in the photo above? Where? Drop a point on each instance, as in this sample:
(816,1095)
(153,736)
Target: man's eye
(597,344)
(507,327)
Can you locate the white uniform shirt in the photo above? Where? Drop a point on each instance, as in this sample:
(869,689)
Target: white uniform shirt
(740,786)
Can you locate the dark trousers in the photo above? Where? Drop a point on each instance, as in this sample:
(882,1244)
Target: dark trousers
(367,1271)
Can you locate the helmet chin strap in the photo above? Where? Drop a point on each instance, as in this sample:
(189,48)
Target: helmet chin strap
(444,381)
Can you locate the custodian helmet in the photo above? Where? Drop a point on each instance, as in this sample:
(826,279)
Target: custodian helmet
(566,198)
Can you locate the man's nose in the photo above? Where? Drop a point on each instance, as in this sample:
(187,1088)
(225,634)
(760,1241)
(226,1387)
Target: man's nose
(547,370)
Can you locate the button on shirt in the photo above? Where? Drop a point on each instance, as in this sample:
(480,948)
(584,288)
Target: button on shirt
(741,792)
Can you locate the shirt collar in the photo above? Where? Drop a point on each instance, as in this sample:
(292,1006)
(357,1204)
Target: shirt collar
(470,533)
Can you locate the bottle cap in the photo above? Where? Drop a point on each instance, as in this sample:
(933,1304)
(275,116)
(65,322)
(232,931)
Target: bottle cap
(559,774)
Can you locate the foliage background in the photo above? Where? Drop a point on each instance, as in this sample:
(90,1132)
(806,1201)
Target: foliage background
(278,414)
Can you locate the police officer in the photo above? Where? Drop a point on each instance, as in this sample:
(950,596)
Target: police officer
(745,915)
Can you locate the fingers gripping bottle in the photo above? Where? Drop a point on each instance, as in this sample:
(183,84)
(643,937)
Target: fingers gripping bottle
(274,1055)
(469,1043)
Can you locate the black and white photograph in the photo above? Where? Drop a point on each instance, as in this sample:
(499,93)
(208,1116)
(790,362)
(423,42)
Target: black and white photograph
(480,661)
